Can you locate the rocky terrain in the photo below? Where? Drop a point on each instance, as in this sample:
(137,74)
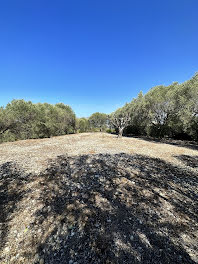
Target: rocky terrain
(94,198)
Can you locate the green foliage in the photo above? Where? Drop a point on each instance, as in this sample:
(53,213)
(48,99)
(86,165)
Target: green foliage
(24,120)
(98,121)
(110,130)
(120,119)
(83,125)
(166,111)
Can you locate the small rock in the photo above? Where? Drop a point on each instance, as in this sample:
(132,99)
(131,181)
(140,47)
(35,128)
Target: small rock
(41,261)
(7,249)
(71,261)
(131,237)
(37,257)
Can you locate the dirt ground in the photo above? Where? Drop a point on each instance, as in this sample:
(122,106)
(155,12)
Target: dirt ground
(96,198)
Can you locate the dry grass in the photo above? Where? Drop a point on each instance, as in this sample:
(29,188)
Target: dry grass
(94,198)
(34,155)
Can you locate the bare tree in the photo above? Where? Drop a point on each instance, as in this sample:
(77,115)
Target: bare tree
(120,121)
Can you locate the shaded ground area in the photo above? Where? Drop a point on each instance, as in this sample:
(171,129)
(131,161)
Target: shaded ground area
(102,208)
(12,191)
(191,161)
(170,141)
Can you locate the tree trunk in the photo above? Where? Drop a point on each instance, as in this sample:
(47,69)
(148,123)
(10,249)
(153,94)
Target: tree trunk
(120,131)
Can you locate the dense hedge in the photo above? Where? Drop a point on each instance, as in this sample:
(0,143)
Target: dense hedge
(166,111)
(25,120)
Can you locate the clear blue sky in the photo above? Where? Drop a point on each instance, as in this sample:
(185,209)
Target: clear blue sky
(94,55)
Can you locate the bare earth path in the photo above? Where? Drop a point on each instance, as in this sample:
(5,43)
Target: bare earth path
(94,198)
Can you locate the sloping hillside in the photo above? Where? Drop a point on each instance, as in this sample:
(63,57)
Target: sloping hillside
(94,198)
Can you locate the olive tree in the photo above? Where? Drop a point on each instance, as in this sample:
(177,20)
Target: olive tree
(98,121)
(120,119)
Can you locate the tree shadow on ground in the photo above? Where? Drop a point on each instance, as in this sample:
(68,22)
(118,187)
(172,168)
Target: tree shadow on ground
(12,182)
(191,161)
(116,209)
(179,143)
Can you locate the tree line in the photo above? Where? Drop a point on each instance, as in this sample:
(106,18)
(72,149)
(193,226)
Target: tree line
(25,120)
(165,111)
